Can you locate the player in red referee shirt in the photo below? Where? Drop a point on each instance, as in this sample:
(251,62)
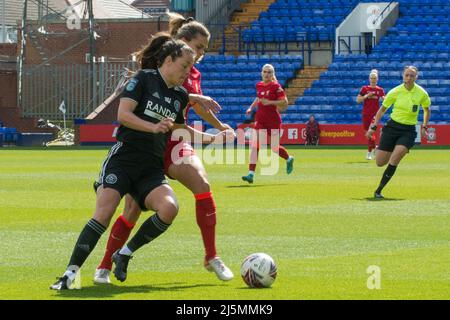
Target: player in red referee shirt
(270,100)
(190,173)
(371,95)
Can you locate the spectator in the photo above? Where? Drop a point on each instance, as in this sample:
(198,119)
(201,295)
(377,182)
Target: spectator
(312,131)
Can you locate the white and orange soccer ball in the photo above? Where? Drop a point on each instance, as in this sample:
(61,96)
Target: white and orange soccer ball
(259,270)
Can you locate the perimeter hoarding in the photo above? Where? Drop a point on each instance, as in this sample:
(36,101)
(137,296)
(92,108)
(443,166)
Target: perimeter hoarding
(330,134)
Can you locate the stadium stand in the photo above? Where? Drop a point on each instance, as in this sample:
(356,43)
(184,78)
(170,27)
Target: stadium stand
(298,20)
(420,37)
(427,46)
(231,80)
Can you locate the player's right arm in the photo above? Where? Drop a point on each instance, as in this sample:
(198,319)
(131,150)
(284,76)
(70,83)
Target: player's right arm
(133,93)
(363,95)
(253,105)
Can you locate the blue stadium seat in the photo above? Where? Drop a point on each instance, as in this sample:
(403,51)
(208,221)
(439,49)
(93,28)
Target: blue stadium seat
(423,41)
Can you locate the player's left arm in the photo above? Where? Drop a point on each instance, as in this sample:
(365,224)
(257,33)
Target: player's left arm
(281,103)
(426,116)
(382,95)
(426,103)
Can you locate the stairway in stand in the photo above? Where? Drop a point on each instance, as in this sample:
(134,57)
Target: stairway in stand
(303,80)
(247,13)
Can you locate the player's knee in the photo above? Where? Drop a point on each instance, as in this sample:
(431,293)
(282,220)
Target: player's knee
(381,162)
(203,186)
(132,213)
(200,185)
(103,215)
(168,211)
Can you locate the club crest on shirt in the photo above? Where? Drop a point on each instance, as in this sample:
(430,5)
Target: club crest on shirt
(177,105)
(132,84)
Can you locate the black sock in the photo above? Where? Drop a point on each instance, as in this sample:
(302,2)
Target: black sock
(86,242)
(152,228)
(387,175)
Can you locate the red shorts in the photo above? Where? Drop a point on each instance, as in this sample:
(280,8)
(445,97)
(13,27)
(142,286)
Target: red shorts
(182,149)
(270,131)
(268,126)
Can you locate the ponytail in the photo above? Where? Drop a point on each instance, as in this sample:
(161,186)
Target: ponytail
(186,28)
(161,46)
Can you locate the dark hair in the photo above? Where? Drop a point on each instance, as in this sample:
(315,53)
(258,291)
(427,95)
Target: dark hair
(187,28)
(161,46)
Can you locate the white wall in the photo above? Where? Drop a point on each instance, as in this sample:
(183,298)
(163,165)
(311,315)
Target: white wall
(360,20)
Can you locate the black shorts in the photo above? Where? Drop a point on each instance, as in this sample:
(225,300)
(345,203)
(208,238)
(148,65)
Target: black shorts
(395,133)
(132,171)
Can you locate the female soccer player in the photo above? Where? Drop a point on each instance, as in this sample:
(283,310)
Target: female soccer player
(190,173)
(135,163)
(399,133)
(270,100)
(371,96)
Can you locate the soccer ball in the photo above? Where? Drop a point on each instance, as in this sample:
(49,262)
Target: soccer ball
(259,270)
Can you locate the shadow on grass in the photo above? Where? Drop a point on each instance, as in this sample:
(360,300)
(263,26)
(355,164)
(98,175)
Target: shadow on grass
(356,162)
(378,200)
(255,185)
(111,290)
(248,288)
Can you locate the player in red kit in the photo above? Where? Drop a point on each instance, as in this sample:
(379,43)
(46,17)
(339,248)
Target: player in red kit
(270,100)
(371,95)
(190,173)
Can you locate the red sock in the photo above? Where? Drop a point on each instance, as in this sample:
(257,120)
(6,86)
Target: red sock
(119,234)
(206,220)
(282,152)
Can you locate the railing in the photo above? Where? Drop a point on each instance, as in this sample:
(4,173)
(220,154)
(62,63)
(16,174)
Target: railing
(45,87)
(302,44)
(381,15)
(215,13)
(271,42)
(363,45)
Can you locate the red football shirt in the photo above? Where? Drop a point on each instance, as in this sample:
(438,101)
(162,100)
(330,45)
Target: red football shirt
(267,116)
(193,84)
(372,104)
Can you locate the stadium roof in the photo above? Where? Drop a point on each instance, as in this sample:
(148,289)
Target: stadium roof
(109,9)
(103,9)
(14,10)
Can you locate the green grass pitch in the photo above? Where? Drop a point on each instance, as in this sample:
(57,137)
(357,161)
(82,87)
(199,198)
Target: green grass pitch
(319,224)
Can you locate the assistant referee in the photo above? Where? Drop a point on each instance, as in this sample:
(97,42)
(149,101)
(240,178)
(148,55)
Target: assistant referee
(399,133)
